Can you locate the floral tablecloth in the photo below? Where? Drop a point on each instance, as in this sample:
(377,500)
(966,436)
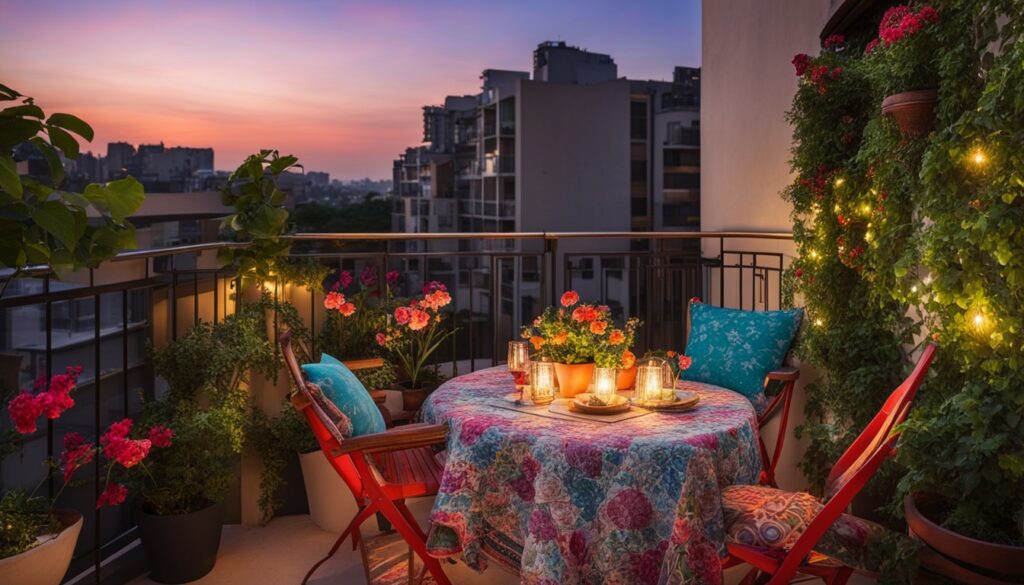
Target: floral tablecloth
(577,501)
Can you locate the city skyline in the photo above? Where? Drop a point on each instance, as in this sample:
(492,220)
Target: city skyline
(238,77)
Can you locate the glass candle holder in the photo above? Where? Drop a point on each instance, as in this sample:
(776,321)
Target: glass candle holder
(668,383)
(604,384)
(542,375)
(650,380)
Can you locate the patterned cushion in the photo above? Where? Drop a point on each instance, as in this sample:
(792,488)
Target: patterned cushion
(329,414)
(341,387)
(769,518)
(736,349)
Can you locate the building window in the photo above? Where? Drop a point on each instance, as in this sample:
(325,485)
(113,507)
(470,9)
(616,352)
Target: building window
(682,180)
(682,158)
(638,120)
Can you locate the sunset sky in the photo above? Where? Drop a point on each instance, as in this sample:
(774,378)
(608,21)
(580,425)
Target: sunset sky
(338,84)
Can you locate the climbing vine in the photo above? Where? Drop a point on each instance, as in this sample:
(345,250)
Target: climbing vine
(904,238)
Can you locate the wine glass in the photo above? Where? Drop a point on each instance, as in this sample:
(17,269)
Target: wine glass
(519,364)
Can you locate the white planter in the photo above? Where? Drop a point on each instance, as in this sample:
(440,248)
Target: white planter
(47,562)
(331,504)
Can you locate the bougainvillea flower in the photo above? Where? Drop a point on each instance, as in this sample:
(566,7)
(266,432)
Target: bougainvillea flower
(160,436)
(113,495)
(24,409)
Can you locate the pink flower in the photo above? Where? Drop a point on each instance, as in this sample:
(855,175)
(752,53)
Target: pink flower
(55,402)
(160,436)
(392,276)
(118,447)
(928,14)
(114,494)
(685,362)
(346,309)
(76,454)
(834,42)
(402,315)
(334,300)
(24,409)
(570,298)
(368,277)
(437,299)
(382,339)
(801,62)
(345,279)
(418,319)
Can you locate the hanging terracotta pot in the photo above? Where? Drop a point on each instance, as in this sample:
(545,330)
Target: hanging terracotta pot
(960,557)
(45,563)
(913,111)
(625,379)
(573,379)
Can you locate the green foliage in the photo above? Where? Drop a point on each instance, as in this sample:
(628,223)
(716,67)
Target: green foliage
(370,215)
(909,62)
(276,440)
(580,333)
(261,214)
(39,223)
(378,378)
(900,234)
(22,519)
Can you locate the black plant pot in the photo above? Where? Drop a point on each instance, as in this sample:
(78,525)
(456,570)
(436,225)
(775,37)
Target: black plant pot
(181,548)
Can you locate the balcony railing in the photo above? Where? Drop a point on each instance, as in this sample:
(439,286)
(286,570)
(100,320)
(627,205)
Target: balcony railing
(498,164)
(102,319)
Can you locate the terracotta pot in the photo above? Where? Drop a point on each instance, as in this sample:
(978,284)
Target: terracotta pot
(47,562)
(573,378)
(625,379)
(960,557)
(413,398)
(181,547)
(913,111)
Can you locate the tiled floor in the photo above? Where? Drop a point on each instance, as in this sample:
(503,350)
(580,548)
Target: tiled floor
(282,552)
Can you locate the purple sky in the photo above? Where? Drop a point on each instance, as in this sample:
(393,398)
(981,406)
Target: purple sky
(338,84)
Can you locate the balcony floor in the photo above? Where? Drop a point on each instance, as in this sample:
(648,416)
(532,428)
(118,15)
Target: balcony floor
(282,552)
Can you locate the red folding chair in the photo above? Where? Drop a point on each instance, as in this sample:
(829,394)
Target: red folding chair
(786,376)
(849,475)
(381,470)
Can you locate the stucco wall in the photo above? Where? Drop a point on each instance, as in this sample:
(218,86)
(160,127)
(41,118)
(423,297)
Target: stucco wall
(747,85)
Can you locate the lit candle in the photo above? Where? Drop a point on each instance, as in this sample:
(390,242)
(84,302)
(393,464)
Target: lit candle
(649,381)
(604,384)
(543,377)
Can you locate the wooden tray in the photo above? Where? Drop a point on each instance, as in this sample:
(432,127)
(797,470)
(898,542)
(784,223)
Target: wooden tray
(684,401)
(579,404)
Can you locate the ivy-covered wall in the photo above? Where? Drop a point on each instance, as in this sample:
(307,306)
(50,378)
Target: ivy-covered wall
(904,239)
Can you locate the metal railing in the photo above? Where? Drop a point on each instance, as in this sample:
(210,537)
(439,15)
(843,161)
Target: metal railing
(102,319)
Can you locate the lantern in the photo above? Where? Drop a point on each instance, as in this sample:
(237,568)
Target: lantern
(542,374)
(650,380)
(604,384)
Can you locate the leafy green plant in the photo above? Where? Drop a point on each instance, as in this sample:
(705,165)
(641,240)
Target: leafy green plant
(357,309)
(277,440)
(379,378)
(415,331)
(261,214)
(579,333)
(43,225)
(904,55)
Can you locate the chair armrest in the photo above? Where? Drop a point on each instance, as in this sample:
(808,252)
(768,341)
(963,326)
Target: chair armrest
(397,439)
(784,374)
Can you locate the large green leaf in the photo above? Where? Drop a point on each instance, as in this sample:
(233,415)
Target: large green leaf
(58,221)
(9,180)
(283,163)
(72,123)
(52,159)
(119,198)
(14,131)
(7,94)
(64,141)
(11,253)
(24,110)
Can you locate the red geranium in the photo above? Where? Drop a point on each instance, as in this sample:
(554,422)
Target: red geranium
(160,436)
(801,62)
(834,42)
(570,298)
(113,495)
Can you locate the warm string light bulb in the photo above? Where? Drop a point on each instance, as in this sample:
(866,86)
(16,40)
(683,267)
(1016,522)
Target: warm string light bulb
(818,322)
(978,157)
(839,181)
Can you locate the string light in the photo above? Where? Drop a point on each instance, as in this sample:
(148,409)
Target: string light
(818,322)
(839,181)
(978,157)
(837,209)
(868,236)
(913,289)
(814,255)
(865,209)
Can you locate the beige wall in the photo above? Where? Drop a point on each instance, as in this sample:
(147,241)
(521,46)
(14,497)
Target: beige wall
(747,85)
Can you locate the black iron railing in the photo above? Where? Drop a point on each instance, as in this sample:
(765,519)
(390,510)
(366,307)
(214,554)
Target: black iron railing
(103,319)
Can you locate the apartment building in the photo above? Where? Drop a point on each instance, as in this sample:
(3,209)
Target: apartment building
(512,157)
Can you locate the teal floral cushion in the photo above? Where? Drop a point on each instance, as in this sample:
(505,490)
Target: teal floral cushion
(736,349)
(341,387)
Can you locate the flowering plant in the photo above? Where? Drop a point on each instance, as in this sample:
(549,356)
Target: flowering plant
(677,362)
(579,333)
(414,331)
(356,311)
(24,516)
(904,56)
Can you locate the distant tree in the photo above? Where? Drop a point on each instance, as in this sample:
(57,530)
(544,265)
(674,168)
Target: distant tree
(372,214)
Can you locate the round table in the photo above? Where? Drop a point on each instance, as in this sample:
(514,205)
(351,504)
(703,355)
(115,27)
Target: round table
(581,501)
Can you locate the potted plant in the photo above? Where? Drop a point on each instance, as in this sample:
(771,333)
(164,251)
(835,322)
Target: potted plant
(356,312)
(37,539)
(902,61)
(577,337)
(183,488)
(414,331)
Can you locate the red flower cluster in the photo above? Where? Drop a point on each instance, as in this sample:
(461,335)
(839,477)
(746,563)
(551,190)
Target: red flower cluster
(435,296)
(569,298)
(113,495)
(76,454)
(586,313)
(368,277)
(900,22)
(118,447)
(819,183)
(26,407)
(834,42)
(801,62)
(821,74)
(160,436)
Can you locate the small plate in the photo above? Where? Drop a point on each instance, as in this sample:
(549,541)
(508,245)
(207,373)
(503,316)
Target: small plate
(581,404)
(684,401)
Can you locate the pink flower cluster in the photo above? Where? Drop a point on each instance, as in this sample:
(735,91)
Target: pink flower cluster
(336,301)
(821,74)
(901,22)
(834,42)
(801,62)
(435,296)
(118,447)
(77,453)
(25,408)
